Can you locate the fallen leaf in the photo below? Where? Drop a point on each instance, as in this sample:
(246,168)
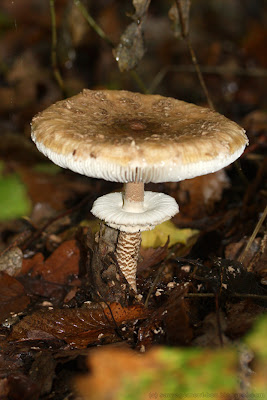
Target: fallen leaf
(255,122)
(13,298)
(160,234)
(11,261)
(131,48)
(14,200)
(141,7)
(36,262)
(197,196)
(256,340)
(125,374)
(176,320)
(240,317)
(210,334)
(51,188)
(175,19)
(42,372)
(4,389)
(77,327)
(151,256)
(57,268)
(170,321)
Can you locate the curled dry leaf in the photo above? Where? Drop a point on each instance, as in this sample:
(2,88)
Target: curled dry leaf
(197,196)
(141,7)
(176,25)
(13,298)
(151,256)
(63,263)
(131,48)
(77,327)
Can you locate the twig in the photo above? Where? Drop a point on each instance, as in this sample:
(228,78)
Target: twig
(199,295)
(250,296)
(92,23)
(54,63)
(207,69)
(218,319)
(192,53)
(254,234)
(103,36)
(152,287)
(239,295)
(139,81)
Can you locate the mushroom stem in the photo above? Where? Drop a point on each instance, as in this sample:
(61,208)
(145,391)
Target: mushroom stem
(133,199)
(127,252)
(128,246)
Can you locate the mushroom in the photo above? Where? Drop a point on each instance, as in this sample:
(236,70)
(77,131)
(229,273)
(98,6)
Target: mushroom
(133,138)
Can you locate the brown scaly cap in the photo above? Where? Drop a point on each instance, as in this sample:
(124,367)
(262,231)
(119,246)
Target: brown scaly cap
(123,136)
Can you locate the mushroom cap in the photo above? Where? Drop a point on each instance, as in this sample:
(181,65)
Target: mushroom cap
(122,136)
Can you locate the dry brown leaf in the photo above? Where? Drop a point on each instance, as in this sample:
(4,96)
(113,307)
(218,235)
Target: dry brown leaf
(54,190)
(176,320)
(13,298)
(197,196)
(131,48)
(151,256)
(124,363)
(255,122)
(11,261)
(240,317)
(175,20)
(77,327)
(170,321)
(63,263)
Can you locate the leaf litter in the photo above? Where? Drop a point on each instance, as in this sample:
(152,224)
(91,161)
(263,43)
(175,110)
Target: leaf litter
(62,308)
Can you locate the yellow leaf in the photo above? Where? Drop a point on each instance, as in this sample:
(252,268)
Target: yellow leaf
(159,235)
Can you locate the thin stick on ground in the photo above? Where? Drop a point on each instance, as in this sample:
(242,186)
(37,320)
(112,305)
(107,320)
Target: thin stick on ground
(238,295)
(253,236)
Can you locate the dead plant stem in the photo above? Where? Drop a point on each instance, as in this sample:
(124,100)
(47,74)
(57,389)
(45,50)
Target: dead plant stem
(103,36)
(54,61)
(253,236)
(207,69)
(192,53)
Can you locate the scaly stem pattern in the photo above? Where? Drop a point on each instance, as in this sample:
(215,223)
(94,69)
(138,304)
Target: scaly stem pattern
(128,246)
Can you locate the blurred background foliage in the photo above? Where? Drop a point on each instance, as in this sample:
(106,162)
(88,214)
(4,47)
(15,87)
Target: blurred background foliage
(53,49)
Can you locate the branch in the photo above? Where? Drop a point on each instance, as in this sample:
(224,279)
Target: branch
(54,62)
(192,53)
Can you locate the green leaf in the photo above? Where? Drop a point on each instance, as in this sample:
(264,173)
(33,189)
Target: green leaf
(256,340)
(47,168)
(14,200)
(159,235)
(184,373)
